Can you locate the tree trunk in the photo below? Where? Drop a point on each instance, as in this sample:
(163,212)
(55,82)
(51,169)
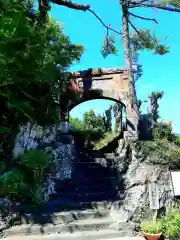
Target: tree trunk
(128,61)
(43,10)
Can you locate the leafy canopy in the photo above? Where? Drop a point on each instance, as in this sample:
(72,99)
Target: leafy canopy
(33,60)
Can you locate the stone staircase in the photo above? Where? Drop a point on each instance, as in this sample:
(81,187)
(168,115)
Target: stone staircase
(87,224)
(94,182)
(81,207)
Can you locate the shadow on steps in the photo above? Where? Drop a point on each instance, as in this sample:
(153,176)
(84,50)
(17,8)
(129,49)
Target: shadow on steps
(95,185)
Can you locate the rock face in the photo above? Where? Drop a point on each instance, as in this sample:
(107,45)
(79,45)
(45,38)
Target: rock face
(145,186)
(32,136)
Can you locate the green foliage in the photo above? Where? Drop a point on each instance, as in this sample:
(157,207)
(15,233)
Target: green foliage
(154,106)
(151,227)
(33,60)
(145,40)
(173,3)
(4,130)
(24,181)
(96,130)
(35,160)
(89,122)
(161,152)
(76,123)
(108,46)
(93,122)
(171,223)
(88,137)
(105,139)
(12,184)
(90,129)
(162,130)
(177,140)
(138,73)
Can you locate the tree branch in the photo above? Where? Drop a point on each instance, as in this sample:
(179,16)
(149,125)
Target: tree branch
(43,9)
(163,8)
(166,8)
(83,7)
(70,4)
(106,26)
(143,18)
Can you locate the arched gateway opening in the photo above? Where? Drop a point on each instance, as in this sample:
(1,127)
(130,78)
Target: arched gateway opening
(98,122)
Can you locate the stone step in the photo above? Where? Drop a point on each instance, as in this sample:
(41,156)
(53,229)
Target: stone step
(88,235)
(98,154)
(71,227)
(68,204)
(86,186)
(63,217)
(88,179)
(87,196)
(93,170)
(97,163)
(97,160)
(100,164)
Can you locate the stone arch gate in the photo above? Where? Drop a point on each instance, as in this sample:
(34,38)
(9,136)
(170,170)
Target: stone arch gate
(108,83)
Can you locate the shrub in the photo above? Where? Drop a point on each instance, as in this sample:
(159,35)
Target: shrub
(177,140)
(171,223)
(36,161)
(161,152)
(13,185)
(87,137)
(162,131)
(151,227)
(24,182)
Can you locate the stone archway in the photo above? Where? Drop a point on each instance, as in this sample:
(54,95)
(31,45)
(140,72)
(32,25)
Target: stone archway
(105,83)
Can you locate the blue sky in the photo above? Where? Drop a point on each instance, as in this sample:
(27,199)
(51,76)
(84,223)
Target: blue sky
(159,72)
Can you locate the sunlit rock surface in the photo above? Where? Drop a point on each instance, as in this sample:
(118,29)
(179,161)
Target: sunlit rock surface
(139,180)
(49,138)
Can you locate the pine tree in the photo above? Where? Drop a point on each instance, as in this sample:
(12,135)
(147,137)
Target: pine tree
(139,40)
(154,106)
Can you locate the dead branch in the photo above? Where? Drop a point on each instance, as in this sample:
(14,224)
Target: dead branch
(106,26)
(83,7)
(70,4)
(143,18)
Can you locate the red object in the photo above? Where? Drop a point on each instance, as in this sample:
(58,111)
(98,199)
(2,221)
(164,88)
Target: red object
(74,86)
(62,115)
(154,236)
